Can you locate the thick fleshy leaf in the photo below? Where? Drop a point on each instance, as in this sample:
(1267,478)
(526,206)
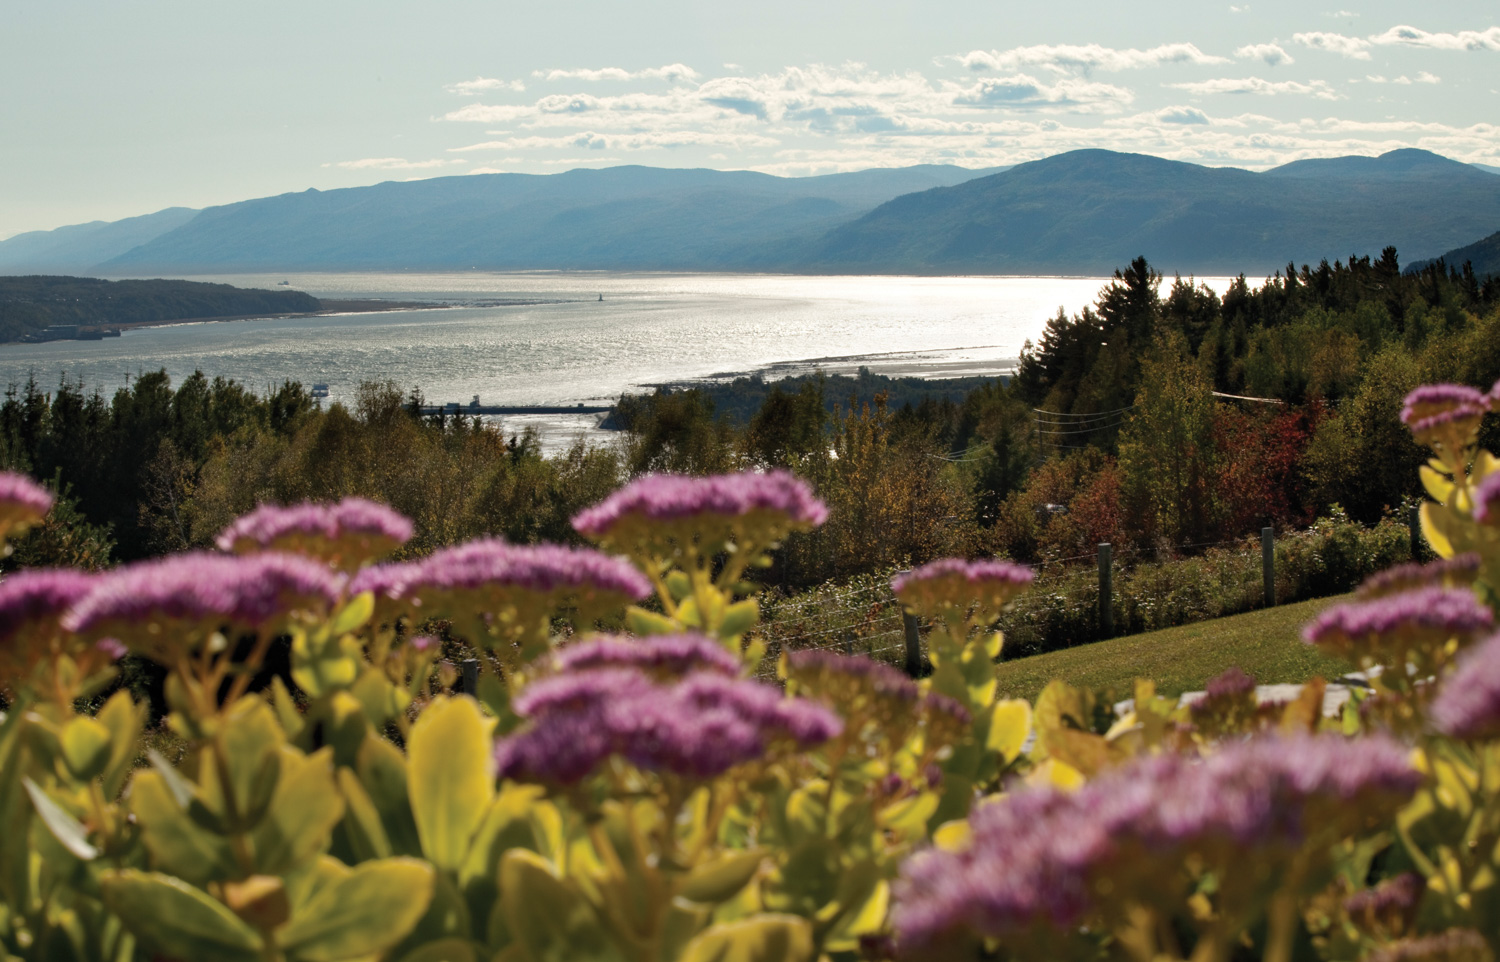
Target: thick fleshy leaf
(303,811)
(86,747)
(68,831)
(364,913)
(765,938)
(382,772)
(177,844)
(720,879)
(176,920)
(550,921)
(1010,723)
(124,719)
(361,824)
(450,777)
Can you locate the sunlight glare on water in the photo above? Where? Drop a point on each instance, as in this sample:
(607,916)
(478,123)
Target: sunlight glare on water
(566,346)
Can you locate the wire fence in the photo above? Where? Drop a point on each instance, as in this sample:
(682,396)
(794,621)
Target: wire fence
(1062,609)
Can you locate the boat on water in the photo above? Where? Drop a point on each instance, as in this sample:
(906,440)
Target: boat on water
(319,391)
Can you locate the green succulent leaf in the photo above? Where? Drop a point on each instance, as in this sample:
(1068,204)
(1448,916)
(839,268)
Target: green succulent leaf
(302,814)
(646,623)
(739,618)
(450,781)
(765,938)
(176,842)
(364,913)
(68,831)
(550,921)
(177,920)
(720,879)
(353,615)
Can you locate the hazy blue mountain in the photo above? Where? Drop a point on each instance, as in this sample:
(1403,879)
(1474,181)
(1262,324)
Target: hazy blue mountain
(82,245)
(1487,167)
(1090,211)
(619,217)
(1483,254)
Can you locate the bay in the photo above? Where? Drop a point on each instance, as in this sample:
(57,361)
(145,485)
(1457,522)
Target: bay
(546,338)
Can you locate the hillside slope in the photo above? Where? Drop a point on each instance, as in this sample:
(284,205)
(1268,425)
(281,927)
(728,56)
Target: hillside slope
(1090,211)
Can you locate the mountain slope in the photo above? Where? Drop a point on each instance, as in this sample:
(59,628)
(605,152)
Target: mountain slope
(1089,211)
(82,245)
(1484,255)
(619,217)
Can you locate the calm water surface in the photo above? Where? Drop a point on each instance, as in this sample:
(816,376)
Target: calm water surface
(568,346)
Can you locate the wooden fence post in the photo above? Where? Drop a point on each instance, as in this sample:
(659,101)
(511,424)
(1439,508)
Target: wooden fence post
(1106,591)
(1268,565)
(469,669)
(913,643)
(1414,526)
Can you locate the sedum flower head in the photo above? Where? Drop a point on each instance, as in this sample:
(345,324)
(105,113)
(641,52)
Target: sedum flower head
(1454,945)
(662,657)
(346,535)
(1460,571)
(32,604)
(956,583)
(23,503)
(1388,630)
(659,516)
(1445,415)
(1390,908)
(167,607)
(1487,500)
(495,589)
(1035,859)
(696,728)
(1468,703)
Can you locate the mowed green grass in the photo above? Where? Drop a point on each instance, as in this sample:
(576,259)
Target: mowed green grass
(1267,644)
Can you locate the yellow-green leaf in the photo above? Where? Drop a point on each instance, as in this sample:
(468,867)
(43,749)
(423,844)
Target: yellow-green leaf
(364,913)
(450,780)
(739,618)
(550,921)
(177,920)
(303,812)
(764,938)
(1009,725)
(177,844)
(86,747)
(645,623)
(721,878)
(354,614)
(64,827)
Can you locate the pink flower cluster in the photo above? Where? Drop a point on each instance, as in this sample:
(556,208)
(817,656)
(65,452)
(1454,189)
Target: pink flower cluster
(203,591)
(1035,857)
(974,572)
(1446,414)
(21,494)
(1447,572)
(1468,704)
(1427,614)
(349,533)
(667,655)
(670,497)
(697,727)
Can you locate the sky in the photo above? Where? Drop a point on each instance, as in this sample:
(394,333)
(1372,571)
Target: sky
(113,108)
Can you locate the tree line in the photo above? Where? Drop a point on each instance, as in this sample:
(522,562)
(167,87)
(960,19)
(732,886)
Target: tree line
(1114,428)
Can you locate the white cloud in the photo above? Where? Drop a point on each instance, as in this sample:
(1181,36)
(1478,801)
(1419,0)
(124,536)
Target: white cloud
(1181,115)
(1271,53)
(1423,77)
(1244,9)
(592,140)
(1463,40)
(1352,47)
(1069,57)
(672,73)
(1023,92)
(1257,85)
(483,85)
(393,163)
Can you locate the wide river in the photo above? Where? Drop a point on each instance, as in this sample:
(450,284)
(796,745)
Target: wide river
(566,346)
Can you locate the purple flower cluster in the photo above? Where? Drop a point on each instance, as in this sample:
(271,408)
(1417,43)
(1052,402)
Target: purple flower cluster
(883,681)
(956,583)
(1390,906)
(23,502)
(1034,858)
(1487,499)
(1454,945)
(1428,615)
(698,727)
(1468,703)
(156,604)
(542,569)
(1460,570)
(669,656)
(31,605)
(671,497)
(352,531)
(1446,414)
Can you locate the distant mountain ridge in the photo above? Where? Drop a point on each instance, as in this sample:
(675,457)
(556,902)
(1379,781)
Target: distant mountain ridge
(1089,211)
(618,217)
(1082,212)
(1483,255)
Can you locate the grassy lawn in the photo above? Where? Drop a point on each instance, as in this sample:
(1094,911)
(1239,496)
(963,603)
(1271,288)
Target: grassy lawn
(1266,644)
